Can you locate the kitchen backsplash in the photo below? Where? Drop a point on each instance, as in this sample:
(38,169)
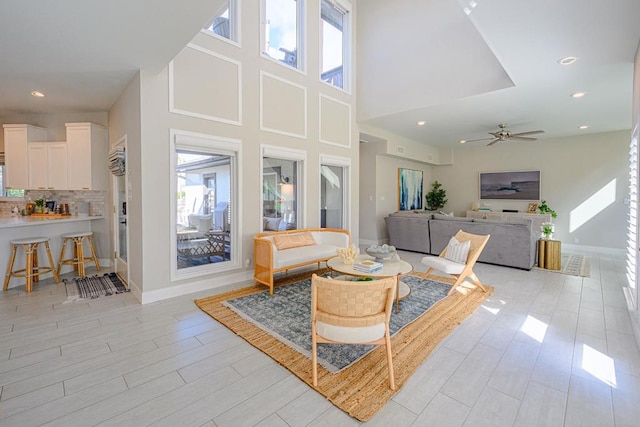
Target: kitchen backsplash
(96,200)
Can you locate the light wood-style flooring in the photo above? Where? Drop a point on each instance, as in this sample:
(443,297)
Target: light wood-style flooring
(545,350)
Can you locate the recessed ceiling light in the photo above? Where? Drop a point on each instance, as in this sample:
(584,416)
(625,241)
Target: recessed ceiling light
(37,94)
(578,94)
(567,60)
(420,122)
(463,141)
(583,127)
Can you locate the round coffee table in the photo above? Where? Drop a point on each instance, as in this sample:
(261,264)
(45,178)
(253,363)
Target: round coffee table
(389,269)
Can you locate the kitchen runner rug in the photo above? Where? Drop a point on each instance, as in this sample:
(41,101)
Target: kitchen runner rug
(91,287)
(362,387)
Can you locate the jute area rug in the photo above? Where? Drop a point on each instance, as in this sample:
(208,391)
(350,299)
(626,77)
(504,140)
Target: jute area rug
(361,389)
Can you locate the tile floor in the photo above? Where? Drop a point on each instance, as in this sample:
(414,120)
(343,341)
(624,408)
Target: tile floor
(546,349)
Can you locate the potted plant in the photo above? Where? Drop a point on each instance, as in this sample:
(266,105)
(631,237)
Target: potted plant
(547,229)
(39,205)
(544,208)
(436,198)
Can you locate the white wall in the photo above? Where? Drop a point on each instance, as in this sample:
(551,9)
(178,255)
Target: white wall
(573,169)
(124,119)
(151,163)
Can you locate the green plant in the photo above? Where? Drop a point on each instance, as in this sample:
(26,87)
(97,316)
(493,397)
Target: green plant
(544,208)
(39,203)
(547,230)
(436,198)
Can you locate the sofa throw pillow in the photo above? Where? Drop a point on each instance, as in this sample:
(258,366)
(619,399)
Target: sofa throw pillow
(271,224)
(457,251)
(287,241)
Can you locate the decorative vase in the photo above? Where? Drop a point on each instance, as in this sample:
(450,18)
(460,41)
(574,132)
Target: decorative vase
(547,229)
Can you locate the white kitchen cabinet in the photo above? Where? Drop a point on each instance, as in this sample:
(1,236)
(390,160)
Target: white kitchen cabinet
(87,153)
(16,153)
(48,165)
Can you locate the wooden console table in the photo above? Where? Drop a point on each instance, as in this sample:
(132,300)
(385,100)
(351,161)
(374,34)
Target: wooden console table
(549,254)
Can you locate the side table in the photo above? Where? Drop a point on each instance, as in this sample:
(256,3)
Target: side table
(549,254)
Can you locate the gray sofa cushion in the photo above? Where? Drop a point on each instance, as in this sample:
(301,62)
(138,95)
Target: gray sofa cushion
(452,218)
(410,233)
(510,244)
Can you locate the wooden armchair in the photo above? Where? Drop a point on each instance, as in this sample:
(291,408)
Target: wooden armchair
(349,312)
(459,271)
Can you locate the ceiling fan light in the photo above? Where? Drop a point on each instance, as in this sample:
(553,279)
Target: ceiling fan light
(463,141)
(568,60)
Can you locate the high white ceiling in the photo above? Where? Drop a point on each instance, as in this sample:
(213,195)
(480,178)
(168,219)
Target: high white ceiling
(82,53)
(461,74)
(464,74)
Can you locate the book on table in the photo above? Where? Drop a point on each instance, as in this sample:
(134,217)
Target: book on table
(368,266)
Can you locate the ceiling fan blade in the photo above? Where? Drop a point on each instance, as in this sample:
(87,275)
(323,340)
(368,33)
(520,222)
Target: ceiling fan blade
(479,139)
(531,132)
(493,142)
(523,138)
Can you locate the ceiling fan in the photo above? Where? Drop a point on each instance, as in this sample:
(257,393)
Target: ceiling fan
(505,134)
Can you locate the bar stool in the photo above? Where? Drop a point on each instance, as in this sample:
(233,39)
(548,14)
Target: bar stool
(32,270)
(78,260)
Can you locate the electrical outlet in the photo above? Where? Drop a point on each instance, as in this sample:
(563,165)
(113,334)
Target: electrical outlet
(247,262)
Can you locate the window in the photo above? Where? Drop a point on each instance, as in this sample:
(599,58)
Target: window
(4,192)
(334,19)
(225,22)
(204,185)
(334,192)
(283,30)
(282,207)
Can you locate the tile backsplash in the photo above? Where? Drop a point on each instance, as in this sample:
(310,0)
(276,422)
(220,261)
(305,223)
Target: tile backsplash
(96,200)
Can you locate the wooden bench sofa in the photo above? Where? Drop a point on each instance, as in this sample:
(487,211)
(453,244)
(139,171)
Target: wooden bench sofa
(278,251)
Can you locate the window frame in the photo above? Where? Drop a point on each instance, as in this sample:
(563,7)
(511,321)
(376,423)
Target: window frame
(298,156)
(234,24)
(347,35)
(206,143)
(345,163)
(301,36)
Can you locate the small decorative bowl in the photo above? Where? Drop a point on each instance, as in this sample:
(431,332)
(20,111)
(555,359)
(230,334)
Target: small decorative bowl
(381,253)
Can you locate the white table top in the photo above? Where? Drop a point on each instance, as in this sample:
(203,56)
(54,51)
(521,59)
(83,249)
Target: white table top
(389,269)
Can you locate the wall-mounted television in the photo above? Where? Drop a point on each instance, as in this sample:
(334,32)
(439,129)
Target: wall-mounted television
(515,185)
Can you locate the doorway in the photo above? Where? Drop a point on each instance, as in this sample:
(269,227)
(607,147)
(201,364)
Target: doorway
(120,197)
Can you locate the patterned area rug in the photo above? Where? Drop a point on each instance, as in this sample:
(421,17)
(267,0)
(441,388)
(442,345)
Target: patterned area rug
(573,265)
(91,287)
(286,315)
(361,389)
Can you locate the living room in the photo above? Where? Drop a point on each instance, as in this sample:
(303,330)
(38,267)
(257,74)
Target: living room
(574,169)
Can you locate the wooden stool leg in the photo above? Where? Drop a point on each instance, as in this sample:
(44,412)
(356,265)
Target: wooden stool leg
(51,264)
(10,267)
(28,267)
(34,263)
(80,256)
(93,253)
(75,254)
(60,261)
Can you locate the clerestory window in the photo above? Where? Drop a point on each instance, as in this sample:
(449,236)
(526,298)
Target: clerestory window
(225,22)
(335,36)
(283,30)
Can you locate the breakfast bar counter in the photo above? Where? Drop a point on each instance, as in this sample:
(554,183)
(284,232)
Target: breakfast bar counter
(10,221)
(24,227)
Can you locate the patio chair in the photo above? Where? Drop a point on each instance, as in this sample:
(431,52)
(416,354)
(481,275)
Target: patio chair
(460,268)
